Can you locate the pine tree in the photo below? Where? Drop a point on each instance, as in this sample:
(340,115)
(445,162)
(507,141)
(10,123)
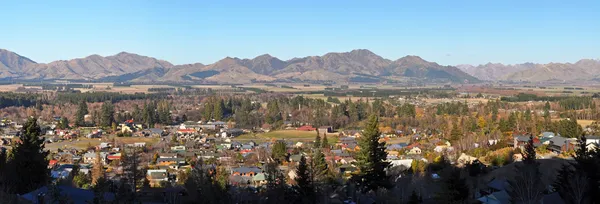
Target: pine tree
(82,110)
(319,166)
(218,110)
(371,159)
(325,142)
(304,182)
(108,114)
(455,133)
(279,151)
(318,141)
(203,187)
(455,188)
(30,158)
(276,188)
(64,123)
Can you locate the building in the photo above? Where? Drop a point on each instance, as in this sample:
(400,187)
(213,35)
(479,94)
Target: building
(560,144)
(592,142)
(325,129)
(157,176)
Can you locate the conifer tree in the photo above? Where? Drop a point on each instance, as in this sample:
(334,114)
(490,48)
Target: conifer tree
(108,114)
(82,110)
(371,159)
(319,166)
(325,143)
(30,158)
(276,188)
(318,141)
(304,182)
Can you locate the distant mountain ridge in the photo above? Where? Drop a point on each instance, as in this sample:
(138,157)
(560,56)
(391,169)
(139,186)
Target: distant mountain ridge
(582,70)
(359,65)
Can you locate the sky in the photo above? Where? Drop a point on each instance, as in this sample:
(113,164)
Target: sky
(182,31)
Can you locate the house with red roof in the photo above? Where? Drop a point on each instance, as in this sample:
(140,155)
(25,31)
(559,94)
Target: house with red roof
(306,128)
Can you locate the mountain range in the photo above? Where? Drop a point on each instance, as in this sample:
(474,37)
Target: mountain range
(582,70)
(355,66)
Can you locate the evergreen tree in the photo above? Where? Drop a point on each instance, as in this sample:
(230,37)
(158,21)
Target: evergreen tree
(108,114)
(371,159)
(30,158)
(325,143)
(454,188)
(64,123)
(82,110)
(218,110)
(319,166)
(304,182)
(318,141)
(276,188)
(279,151)
(203,187)
(455,133)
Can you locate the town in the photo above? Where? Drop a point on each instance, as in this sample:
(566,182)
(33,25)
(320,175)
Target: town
(209,146)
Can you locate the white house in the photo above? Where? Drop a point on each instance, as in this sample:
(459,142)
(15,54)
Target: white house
(414,150)
(592,142)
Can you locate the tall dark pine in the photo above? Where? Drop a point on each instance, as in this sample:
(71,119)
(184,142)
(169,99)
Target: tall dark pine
(304,182)
(325,143)
(529,155)
(29,160)
(80,115)
(108,114)
(370,159)
(318,141)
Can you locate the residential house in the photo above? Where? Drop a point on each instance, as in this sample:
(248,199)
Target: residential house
(90,157)
(560,144)
(167,155)
(246,171)
(259,179)
(402,163)
(170,161)
(152,132)
(325,129)
(592,142)
(414,150)
(178,148)
(157,176)
(306,128)
(521,140)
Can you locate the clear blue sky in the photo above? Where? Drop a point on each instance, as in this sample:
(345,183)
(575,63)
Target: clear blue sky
(447,32)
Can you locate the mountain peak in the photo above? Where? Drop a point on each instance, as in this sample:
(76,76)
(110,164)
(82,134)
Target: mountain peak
(362,52)
(13,60)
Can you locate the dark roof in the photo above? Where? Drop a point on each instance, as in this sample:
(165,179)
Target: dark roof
(247,169)
(158,175)
(170,159)
(498,184)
